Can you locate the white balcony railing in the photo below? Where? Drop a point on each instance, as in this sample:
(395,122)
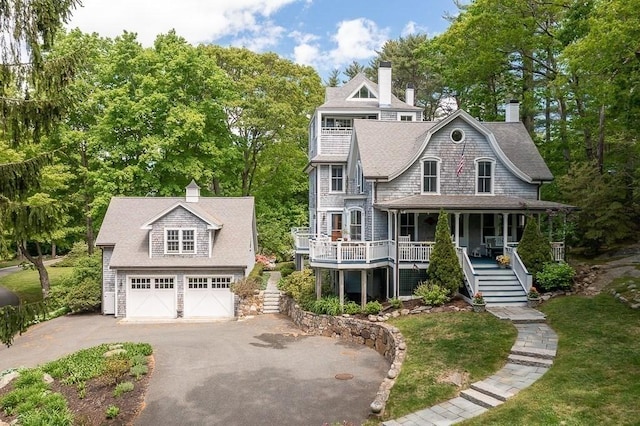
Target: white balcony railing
(301,237)
(557,249)
(323,250)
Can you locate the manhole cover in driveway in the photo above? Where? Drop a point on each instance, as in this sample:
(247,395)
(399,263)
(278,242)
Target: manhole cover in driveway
(344,376)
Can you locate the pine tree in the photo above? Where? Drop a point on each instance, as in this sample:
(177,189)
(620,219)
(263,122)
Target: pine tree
(444,268)
(33,100)
(534,248)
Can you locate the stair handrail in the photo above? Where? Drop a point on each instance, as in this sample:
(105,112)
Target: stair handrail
(470,278)
(519,269)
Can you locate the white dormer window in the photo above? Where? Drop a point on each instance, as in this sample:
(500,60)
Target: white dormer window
(406,117)
(180,241)
(364,93)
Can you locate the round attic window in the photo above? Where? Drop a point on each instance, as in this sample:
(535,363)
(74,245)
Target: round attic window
(457,135)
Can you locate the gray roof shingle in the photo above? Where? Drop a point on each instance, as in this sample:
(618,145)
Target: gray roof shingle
(122,228)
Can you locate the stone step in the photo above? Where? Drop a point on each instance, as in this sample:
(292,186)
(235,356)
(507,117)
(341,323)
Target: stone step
(529,360)
(480,398)
(505,299)
(533,352)
(271,311)
(271,304)
(492,391)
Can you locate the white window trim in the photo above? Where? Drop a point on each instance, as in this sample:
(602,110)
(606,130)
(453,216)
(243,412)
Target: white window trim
(438,162)
(152,279)
(331,190)
(180,241)
(477,162)
(209,279)
(359,178)
(407,114)
(362,220)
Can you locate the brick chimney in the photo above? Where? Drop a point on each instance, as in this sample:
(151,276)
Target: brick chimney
(409,95)
(512,111)
(193,192)
(384,84)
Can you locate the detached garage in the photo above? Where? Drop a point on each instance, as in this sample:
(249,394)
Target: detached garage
(166,258)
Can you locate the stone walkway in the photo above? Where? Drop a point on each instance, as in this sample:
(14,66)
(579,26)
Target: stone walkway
(272,294)
(531,356)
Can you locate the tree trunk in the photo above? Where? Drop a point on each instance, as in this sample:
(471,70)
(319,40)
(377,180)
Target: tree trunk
(38,262)
(53,249)
(600,150)
(87,200)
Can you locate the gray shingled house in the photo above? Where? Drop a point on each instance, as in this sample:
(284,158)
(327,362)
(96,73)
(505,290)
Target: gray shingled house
(379,175)
(175,257)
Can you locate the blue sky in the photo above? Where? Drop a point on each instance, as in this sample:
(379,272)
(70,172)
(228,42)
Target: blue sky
(324,34)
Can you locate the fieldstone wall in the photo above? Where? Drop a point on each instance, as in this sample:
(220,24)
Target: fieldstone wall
(384,338)
(250,306)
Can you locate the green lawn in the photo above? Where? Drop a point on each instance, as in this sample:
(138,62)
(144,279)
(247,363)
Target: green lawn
(436,343)
(26,284)
(595,378)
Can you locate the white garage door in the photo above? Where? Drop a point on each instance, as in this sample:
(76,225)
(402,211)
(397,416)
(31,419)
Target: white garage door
(151,297)
(208,297)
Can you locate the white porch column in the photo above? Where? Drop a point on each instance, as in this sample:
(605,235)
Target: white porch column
(363,288)
(457,229)
(341,286)
(396,263)
(505,231)
(318,284)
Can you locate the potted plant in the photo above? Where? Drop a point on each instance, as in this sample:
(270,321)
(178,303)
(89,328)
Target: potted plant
(478,302)
(533,297)
(503,260)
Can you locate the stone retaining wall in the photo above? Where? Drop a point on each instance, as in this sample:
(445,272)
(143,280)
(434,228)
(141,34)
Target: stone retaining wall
(384,338)
(249,306)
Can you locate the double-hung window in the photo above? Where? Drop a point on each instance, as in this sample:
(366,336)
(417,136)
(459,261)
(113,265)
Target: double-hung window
(180,241)
(485,177)
(430,169)
(355,225)
(337,178)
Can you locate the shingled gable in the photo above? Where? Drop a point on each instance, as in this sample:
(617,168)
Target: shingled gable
(510,141)
(212,222)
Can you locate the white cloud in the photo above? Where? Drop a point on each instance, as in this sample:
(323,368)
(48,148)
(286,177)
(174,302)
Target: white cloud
(412,28)
(357,39)
(195,20)
(262,38)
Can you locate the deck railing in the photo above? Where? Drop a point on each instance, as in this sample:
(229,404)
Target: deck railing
(557,248)
(324,250)
(524,277)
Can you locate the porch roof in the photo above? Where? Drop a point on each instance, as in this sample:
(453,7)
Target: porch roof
(470,202)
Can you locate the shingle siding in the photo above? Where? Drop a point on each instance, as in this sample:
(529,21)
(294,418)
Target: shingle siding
(108,275)
(179,218)
(328,199)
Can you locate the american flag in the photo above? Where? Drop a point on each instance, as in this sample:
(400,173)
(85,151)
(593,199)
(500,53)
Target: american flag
(460,165)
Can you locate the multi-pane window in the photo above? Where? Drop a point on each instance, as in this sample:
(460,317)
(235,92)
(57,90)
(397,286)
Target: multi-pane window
(180,241)
(337,179)
(364,93)
(164,283)
(430,176)
(140,283)
(485,171)
(198,282)
(406,117)
(204,283)
(220,282)
(355,225)
(407,224)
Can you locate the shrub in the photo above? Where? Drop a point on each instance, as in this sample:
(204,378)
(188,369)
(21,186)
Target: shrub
(246,287)
(432,294)
(352,308)
(300,285)
(112,411)
(444,268)
(138,371)
(372,308)
(286,268)
(396,303)
(82,291)
(115,368)
(139,360)
(122,388)
(329,305)
(556,276)
(534,248)
(78,251)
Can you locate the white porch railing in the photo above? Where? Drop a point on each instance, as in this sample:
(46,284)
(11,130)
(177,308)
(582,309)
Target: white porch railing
(557,250)
(323,250)
(524,277)
(471,279)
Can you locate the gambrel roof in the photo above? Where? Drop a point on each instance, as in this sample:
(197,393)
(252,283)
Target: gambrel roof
(388,148)
(127,221)
(339,98)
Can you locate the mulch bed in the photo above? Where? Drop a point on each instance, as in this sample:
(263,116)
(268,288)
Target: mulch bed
(90,410)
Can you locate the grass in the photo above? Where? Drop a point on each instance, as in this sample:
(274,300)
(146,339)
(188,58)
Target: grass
(595,378)
(437,343)
(628,287)
(26,284)
(8,263)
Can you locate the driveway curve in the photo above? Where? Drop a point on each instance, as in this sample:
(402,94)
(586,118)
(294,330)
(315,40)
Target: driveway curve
(258,371)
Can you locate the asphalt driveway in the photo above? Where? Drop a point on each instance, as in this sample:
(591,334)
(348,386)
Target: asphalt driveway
(259,371)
